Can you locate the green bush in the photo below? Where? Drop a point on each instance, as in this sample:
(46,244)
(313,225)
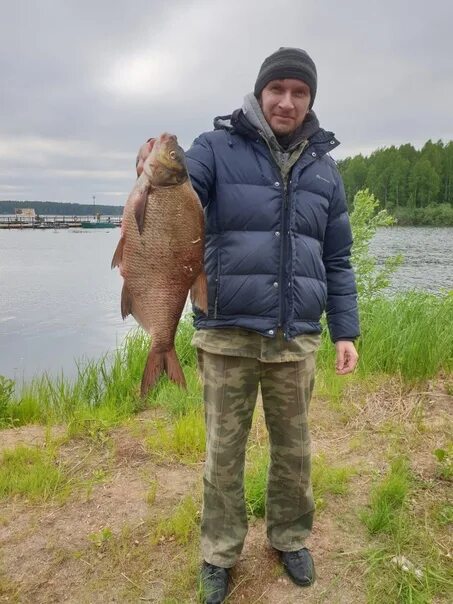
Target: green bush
(365,219)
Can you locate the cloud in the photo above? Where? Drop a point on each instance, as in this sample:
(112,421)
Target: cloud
(84,83)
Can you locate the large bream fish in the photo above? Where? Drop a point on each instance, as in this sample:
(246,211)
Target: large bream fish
(160,254)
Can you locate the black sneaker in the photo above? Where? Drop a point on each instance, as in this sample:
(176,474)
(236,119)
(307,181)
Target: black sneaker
(214,583)
(300,566)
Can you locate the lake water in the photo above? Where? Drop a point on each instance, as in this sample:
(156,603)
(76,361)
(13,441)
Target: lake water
(59,300)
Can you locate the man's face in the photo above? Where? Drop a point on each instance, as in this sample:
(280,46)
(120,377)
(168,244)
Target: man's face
(285,104)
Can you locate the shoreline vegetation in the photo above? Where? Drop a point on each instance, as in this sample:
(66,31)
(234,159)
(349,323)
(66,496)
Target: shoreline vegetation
(101,490)
(416,186)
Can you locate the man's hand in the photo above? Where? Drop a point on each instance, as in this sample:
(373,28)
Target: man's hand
(347,357)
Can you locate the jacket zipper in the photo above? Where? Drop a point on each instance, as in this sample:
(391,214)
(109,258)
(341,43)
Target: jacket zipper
(282,240)
(282,256)
(217,285)
(283,235)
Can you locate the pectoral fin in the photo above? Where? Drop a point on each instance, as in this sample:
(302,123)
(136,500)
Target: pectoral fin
(140,207)
(126,302)
(118,255)
(199,293)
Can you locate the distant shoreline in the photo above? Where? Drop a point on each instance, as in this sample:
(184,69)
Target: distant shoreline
(440,215)
(56,208)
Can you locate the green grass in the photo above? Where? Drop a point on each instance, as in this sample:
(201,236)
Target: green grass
(174,399)
(102,537)
(32,473)
(387,498)
(183,576)
(404,562)
(181,525)
(329,480)
(409,334)
(417,577)
(255,481)
(444,458)
(182,439)
(107,390)
(151,493)
(444,514)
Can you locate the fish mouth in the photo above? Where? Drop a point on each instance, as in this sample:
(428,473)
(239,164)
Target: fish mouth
(167,138)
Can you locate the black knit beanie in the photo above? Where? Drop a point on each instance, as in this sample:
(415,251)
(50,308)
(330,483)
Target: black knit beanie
(288,63)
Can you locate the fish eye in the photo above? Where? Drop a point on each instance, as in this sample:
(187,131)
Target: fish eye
(172,154)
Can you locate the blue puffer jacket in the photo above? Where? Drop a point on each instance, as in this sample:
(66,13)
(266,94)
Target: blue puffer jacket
(275,256)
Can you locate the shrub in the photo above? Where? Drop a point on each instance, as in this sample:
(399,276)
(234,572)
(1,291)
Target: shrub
(365,219)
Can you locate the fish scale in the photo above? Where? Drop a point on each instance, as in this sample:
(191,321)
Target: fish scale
(161,258)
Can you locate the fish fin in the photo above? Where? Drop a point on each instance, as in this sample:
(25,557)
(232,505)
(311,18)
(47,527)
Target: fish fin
(153,369)
(126,302)
(118,255)
(174,369)
(157,363)
(199,292)
(140,208)
(143,153)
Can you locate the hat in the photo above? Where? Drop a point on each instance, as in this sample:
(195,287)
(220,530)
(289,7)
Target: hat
(288,63)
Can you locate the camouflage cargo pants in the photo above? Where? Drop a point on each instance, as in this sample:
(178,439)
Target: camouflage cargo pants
(230,392)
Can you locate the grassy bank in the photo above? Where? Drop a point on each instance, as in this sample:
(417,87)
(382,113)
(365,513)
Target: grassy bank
(410,335)
(103,502)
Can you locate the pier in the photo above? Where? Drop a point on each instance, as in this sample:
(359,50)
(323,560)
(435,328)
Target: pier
(58,222)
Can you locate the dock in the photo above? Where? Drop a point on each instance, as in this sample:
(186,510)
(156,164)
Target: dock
(57,222)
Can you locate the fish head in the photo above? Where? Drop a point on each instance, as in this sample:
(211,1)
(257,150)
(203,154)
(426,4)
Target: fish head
(166,164)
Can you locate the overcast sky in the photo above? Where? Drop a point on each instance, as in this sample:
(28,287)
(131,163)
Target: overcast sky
(83,83)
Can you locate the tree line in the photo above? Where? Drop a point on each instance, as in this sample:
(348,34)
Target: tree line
(55,208)
(416,186)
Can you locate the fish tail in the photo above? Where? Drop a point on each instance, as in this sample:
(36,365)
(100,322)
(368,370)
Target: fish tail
(158,363)
(174,369)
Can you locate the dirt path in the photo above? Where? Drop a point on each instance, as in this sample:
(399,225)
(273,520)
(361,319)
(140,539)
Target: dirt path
(28,435)
(98,545)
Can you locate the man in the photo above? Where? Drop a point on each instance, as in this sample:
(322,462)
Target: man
(278,244)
